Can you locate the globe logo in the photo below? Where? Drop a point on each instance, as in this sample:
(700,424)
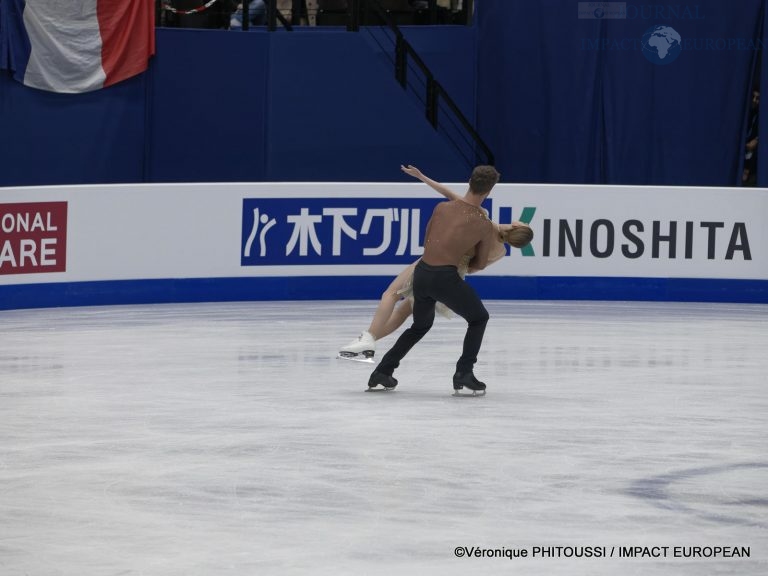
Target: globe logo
(599,13)
(661,45)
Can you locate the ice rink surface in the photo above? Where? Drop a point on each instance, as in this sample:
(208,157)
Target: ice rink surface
(227,439)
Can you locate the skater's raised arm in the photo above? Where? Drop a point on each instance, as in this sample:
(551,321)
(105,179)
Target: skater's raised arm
(416,173)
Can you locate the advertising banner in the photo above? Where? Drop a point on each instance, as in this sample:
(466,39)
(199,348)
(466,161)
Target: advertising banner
(289,230)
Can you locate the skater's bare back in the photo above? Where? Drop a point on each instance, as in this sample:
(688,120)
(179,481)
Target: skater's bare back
(455,229)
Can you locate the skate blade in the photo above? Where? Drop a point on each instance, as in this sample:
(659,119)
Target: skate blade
(472,394)
(357,359)
(377,389)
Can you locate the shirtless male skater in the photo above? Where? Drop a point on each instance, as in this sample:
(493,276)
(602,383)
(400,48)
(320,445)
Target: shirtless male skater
(455,228)
(396,303)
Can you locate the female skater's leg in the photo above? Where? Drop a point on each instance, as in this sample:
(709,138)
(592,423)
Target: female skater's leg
(380,325)
(400,314)
(386,319)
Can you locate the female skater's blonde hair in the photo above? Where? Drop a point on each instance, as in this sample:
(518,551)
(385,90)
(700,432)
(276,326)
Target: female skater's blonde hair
(518,235)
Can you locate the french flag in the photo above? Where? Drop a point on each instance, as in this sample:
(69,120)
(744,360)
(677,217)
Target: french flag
(76,45)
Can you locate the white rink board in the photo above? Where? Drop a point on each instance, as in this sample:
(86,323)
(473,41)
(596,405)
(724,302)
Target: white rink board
(155,231)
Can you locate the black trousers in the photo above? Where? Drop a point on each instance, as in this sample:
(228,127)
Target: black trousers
(440,283)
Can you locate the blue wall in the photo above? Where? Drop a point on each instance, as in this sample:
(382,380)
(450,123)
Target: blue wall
(48,138)
(321,104)
(316,104)
(569,99)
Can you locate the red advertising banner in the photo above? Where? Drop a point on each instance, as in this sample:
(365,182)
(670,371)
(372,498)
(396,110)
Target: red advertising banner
(33,237)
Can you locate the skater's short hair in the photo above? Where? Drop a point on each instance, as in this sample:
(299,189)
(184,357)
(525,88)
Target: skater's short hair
(518,235)
(483,179)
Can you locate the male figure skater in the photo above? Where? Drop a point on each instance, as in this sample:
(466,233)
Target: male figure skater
(455,228)
(396,303)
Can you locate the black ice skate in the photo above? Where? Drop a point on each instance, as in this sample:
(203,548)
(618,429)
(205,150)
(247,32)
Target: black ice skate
(467,380)
(379,379)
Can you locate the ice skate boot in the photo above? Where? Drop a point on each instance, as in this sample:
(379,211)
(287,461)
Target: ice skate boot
(377,379)
(360,349)
(467,380)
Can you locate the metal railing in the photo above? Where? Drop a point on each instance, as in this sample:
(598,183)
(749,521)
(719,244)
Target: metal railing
(437,102)
(443,114)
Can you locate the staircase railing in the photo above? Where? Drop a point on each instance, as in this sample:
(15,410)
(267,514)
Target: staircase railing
(440,109)
(443,114)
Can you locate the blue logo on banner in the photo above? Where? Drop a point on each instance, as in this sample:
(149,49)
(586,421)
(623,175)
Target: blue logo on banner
(321,231)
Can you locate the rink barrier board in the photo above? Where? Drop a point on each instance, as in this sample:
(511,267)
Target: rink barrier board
(162,291)
(206,242)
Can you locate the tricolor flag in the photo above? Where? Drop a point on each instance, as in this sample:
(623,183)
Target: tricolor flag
(76,45)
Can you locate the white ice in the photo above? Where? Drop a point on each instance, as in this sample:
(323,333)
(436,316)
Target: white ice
(227,439)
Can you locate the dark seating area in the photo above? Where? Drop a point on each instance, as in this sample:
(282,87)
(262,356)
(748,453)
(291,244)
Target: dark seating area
(195,13)
(332,12)
(349,13)
(401,12)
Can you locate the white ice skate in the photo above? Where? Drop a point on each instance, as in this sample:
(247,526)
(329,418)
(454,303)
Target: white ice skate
(361,349)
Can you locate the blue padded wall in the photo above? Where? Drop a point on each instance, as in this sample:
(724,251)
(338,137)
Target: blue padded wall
(563,98)
(92,138)
(339,114)
(315,104)
(209,106)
